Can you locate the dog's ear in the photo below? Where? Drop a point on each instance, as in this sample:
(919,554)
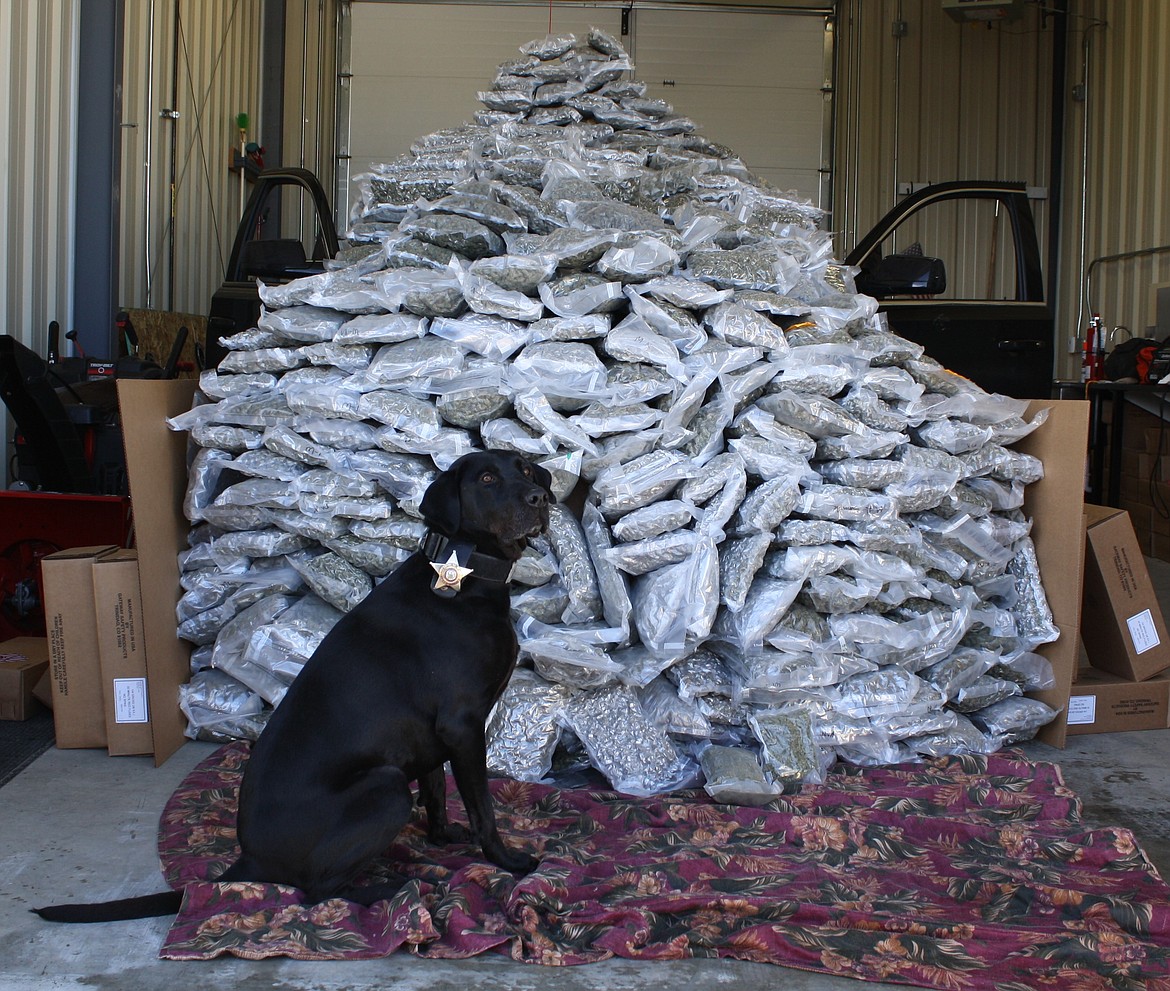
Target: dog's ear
(440,505)
(544,480)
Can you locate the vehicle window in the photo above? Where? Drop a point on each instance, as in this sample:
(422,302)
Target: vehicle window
(288,215)
(286,239)
(973,237)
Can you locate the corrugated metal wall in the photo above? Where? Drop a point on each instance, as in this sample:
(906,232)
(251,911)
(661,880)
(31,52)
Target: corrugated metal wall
(310,83)
(921,98)
(1118,169)
(38,69)
(180,198)
(38,62)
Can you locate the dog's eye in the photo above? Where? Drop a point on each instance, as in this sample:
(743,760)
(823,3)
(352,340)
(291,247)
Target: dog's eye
(527,470)
(487,478)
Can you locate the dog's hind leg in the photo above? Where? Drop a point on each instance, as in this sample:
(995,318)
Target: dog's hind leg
(370,813)
(432,790)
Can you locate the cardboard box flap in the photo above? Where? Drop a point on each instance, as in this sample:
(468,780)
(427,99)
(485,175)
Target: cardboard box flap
(1055,505)
(156,463)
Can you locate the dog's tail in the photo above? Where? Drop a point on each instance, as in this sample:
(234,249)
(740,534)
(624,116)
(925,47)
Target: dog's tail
(142,907)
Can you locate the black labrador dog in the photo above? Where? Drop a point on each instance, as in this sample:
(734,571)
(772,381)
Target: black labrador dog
(402,684)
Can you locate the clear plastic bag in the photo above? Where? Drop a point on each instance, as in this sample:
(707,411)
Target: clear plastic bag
(634,340)
(220,436)
(676,324)
(733,776)
(1003,464)
(485,296)
(814,415)
(415,361)
(534,410)
(516,273)
(285,442)
(203,481)
(330,432)
(334,579)
(676,605)
(560,658)
(634,754)
(381,328)
(508,435)
(376,558)
(982,692)
(708,483)
(524,727)
(458,233)
(739,561)
(736,323)
(767,601)
(677,716)
(756,266)
(580,295)
(572,552)
(644,259)
(789,748)
(226,386)
(1032,613)
(843,502)
(403,476)
(495,337)
(261,361)
(213,726)
(228,654)
(306,324)
(563,368)
(613,586)
(642,556)
(654,519)
(265,493)
(1014,719)
(637,483)
(284,645)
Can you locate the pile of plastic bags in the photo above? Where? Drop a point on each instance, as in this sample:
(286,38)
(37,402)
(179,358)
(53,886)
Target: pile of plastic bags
(784,535)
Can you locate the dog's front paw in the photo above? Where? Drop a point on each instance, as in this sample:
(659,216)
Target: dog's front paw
(451,834)
(517,862)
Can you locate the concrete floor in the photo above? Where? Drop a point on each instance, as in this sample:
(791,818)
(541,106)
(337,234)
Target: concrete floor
(78,825)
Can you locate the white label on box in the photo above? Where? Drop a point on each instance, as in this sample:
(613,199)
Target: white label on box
(130,700)
(1082,710)
(1143,632)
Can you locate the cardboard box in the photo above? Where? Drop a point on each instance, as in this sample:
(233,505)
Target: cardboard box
(23,662)
(43,688)
(1105,703)
(1122,624)
(156,463)
(122,653)
(1056,505)
(67,583)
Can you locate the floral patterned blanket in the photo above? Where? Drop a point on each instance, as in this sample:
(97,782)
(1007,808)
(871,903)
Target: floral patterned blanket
(961,873)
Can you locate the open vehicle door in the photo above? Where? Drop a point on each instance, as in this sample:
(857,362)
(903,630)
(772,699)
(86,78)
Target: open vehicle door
(287,231)
(956,268)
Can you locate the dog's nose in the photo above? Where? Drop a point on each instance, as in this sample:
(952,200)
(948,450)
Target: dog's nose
(537,497)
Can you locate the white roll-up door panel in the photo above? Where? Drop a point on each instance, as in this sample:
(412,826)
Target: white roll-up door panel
(750,80)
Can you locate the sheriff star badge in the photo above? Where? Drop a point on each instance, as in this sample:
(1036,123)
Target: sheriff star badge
(450,574)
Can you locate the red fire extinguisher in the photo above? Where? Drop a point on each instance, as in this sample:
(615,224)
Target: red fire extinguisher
(1093,363)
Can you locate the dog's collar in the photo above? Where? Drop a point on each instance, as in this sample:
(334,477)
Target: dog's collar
(456,560)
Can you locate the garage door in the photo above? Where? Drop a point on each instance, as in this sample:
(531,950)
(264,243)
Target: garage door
(753,80)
